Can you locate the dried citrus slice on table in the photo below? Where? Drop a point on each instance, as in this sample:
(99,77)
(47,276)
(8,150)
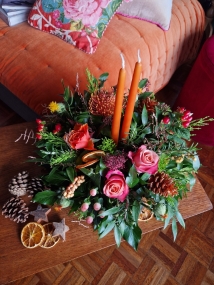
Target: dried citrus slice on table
(49,240)
(32,235)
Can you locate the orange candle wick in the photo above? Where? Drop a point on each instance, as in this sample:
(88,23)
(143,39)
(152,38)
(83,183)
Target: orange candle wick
(131,100)
(115,130)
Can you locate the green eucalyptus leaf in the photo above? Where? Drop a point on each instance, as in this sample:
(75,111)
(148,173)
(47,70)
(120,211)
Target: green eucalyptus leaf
(71,173)
(56,177)
(111,211)
(117,235)
(133,172)
(65,202)
(104,223)
(142,83)
(104,76)
(122,227)
(95,177)
(184,133)
(167,220)
(145,177)
(174,229)
(144,116)
(46,197)
(160,209)
(180,219)
(136,210)
(67,93)
(107,230)
(132,235)
(82,118)
(132,180)
(192,180)
(144,95)
(196,163)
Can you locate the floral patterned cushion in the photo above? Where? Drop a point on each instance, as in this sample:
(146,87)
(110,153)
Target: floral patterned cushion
(78,22)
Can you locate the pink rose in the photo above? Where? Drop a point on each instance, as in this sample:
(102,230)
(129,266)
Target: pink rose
(79,137)
(88,11)
(144,160)
(116,186)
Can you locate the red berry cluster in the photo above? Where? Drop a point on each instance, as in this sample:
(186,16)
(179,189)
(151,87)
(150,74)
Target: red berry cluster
(186,117)
(166,120)
(57,129)
(40,127)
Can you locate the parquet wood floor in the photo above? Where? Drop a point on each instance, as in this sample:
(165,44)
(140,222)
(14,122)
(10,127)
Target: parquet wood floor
(159,260)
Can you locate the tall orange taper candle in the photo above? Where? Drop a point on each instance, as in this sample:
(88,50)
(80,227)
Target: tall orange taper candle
(131,99)
(115,130)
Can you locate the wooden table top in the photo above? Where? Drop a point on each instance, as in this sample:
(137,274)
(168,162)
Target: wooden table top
(16,261)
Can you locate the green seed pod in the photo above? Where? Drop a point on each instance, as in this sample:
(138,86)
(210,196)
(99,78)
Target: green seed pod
(160,209)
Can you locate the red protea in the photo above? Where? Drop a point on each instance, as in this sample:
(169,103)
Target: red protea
(102,103)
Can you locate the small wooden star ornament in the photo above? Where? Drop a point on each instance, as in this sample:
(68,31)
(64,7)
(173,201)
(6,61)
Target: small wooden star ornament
(40,214)
(60,229)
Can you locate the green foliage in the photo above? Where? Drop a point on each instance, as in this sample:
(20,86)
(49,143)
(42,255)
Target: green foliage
(45,197)
(93,84)
(108,145)
(163,162)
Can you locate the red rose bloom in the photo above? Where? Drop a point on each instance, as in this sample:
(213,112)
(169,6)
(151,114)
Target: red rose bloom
(79,138)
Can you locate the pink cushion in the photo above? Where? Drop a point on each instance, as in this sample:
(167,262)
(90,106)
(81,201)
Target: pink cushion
(197,94)
(153,11)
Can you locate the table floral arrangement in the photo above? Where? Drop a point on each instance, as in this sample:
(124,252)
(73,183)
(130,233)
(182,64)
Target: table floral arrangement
(116,160)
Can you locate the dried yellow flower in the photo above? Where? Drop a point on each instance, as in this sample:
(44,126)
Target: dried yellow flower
(53,107)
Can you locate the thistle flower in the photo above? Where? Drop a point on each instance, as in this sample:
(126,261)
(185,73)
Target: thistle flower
(56,107)
(115,161)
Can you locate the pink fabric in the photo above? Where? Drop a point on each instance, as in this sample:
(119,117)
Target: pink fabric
(197,94)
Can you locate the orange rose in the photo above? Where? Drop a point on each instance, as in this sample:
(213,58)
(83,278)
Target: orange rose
(79,137)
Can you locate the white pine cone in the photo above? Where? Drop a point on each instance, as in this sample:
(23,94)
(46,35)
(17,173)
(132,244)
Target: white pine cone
(19,184)
(15,209)
(35,185)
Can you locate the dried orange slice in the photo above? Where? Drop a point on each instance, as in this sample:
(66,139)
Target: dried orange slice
(93,155)
(32,235)
(87,164)
(49,240)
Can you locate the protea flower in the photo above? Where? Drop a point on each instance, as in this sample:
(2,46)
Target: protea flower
(102,103)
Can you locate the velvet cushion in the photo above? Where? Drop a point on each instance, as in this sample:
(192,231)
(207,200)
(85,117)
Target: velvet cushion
(154,11)
(33,63)
(78,22)
(197,93)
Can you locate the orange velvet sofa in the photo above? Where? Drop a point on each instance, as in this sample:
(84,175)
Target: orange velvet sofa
(33,63)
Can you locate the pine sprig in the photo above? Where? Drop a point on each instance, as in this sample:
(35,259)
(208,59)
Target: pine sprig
(54,139)
(63,157)
(198,123)
(93,85)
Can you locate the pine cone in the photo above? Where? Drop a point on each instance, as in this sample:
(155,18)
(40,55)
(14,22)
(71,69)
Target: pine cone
(18,185)
(35,185)
(16,210)
(149,103)
(161,183)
